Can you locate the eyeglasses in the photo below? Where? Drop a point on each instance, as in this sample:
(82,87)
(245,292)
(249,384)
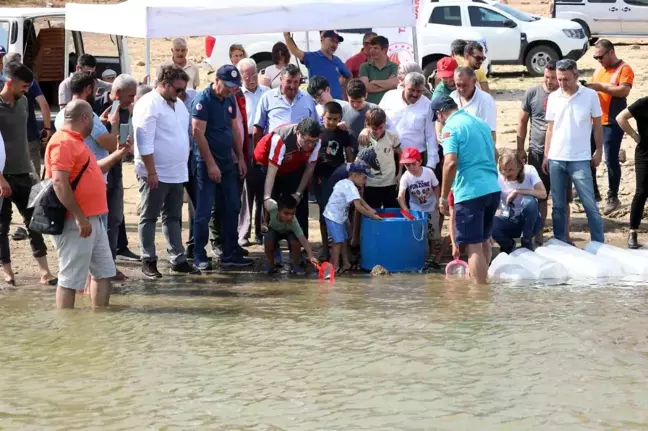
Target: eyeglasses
(318,95)
(600,57)
(479,57)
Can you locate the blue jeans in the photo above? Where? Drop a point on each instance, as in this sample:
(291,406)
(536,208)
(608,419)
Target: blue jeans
(226,196)
(581,175)
(612,137)
(526,224)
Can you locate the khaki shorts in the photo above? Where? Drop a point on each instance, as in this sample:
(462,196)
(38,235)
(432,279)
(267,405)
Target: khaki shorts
(79,256)
(434,230)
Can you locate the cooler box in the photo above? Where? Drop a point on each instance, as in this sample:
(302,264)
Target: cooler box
(398,244)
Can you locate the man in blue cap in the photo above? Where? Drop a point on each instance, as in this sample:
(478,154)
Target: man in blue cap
(217,175)
(469,169)
(324,62)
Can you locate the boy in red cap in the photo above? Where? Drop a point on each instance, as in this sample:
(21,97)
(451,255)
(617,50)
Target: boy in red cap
(423,187)
(445,72)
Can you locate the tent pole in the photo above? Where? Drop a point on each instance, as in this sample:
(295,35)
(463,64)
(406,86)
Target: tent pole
(415,45)
(148,60)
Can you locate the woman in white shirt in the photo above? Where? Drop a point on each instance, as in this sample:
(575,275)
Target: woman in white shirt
(271,75)
(518,214)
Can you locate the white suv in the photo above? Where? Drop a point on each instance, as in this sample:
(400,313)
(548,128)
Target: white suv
(605,18)
(512,36)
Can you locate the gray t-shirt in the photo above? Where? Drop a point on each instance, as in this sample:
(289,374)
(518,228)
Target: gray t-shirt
(65,91)
(13,126)
(356,120)
(535,104)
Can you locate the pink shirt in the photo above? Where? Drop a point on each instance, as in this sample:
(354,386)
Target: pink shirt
(354,62)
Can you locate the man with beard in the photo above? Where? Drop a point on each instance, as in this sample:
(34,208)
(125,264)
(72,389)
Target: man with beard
(17,181)
(83,246)
(161,124)
(324,62)
(534,108)
(100,141)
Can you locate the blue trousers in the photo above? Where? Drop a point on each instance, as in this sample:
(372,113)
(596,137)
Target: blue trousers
(581,175)
(526,224)
(224,195)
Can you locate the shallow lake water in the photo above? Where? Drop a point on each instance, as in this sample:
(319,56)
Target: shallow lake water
(392,353)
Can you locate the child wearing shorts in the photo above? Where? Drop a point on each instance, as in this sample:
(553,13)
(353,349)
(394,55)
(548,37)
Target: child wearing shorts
(284,225)
(424,191)
(336,213)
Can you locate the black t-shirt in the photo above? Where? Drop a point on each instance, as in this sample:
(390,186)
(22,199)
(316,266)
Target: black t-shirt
(340,173)
(332,151)
(639,111)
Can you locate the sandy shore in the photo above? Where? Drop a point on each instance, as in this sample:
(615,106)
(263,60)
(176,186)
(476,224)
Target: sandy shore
(508,84)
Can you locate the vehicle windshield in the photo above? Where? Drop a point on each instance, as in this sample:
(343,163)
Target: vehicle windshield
(516,13)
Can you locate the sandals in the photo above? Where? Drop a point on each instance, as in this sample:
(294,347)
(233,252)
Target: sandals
(51,282)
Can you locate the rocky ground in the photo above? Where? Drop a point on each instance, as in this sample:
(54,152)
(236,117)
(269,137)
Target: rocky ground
(507,82)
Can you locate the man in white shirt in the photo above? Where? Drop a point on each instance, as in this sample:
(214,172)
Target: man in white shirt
(473,100)
(179,58)
(252,91)
(161,125)
(572,113)
(409,115)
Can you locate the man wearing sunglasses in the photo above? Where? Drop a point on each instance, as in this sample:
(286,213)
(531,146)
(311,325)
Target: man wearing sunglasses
(161,122)
(474,58)
(613,82)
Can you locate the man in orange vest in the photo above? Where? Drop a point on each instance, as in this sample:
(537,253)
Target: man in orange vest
(613,81)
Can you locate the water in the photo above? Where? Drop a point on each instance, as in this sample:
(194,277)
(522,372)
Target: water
(401,352)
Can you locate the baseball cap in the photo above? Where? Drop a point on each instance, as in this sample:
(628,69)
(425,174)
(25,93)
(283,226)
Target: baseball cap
(108,73)
(332,34)
(3,51)
(230,75)
(446,67)
(368,155)
(442,103)
(360,167)
(410,155)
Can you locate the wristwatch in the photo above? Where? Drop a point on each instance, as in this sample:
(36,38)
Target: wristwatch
(298,194)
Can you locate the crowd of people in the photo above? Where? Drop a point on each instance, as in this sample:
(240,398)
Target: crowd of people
(249,148)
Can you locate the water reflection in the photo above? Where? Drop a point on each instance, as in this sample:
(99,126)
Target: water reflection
(400,352)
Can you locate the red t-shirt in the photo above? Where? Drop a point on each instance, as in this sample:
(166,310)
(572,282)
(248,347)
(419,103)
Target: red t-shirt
(67,152)
(288,158)
(354,62)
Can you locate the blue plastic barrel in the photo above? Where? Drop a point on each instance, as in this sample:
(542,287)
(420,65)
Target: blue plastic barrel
(398,244)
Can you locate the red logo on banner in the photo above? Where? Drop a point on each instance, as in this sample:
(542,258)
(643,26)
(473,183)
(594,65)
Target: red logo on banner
(401,52)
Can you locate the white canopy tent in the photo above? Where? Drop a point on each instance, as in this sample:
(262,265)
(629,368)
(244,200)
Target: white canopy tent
(173,18)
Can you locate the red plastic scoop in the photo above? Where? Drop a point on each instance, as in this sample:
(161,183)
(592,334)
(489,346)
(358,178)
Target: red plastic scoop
(407,215)
(326,272)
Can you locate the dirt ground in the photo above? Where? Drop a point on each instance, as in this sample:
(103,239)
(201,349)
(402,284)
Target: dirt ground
(508,84)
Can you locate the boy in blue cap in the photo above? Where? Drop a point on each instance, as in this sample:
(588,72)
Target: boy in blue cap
(336,213)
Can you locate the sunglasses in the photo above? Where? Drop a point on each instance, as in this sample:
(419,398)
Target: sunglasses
(180,89)
(599,57)
(479,57)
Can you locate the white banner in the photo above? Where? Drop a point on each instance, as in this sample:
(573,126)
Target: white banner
(401,39)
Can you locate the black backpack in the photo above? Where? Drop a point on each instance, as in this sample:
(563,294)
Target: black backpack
(49,213)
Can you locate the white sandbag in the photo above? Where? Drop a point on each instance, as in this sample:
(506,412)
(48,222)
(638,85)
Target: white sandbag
(554,241)
(504,267)
(631,263)
(579,264)
(540,266)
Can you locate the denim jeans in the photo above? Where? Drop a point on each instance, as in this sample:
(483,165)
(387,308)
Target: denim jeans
(227,198)
(115,198)
(581,175)
(612,137)
(526,224)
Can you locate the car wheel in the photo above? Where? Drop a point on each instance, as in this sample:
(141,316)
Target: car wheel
(538,57)
(429,69)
